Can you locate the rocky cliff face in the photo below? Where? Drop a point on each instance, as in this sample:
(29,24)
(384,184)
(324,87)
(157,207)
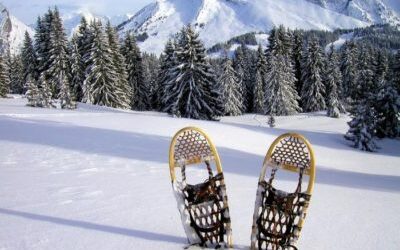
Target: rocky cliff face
(12,31)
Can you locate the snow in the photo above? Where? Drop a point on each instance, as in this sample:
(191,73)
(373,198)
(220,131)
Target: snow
(340,42)
(98,178)
(220,20)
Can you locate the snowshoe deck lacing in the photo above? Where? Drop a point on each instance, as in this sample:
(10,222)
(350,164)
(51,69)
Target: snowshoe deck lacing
(278,214)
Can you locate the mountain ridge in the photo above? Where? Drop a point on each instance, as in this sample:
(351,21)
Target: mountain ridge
(219,20)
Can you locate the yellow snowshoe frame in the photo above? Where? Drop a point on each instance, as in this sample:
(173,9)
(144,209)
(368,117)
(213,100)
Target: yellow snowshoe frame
(289,152)
(191,146)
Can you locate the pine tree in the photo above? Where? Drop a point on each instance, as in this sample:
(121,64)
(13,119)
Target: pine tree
(245,65)
(58,68)
(4,80)
(387,104)
(32,93)
(271,121)
(151,67)
(42,42)
(364,83)
(45,93)
(229,85)
(297,57)
(29,60)
(260,84)
(16,75)
(100,84)
(239,66)
(64,95)
(167,63)
(349,70)
(363,126)
(84,41)
(280,97)
(396,71)
(332,80)
(192,88)
(382,67)
(312,93)
(134,66)
(119,64)
(77,71)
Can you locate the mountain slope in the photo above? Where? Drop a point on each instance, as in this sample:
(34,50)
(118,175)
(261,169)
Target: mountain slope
(372,11)
(12,31)
(219,20)
(72,20)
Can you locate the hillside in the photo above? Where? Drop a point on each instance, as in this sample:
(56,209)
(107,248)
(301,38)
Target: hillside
(12,31)
(220,20)
(98,178)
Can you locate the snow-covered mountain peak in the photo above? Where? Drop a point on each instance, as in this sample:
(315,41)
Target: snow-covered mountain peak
(12,31)
(220,20)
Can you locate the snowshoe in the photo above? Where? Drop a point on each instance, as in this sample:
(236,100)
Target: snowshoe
(203,206)
(278,215)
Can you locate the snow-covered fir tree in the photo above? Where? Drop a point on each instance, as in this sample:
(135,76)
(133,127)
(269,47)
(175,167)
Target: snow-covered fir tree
(167,63)
(32,94)
(260,84)
(395,75)
(297,55)
(332,81)
(364,83)
(271,121)
(134,66)
(363,126)
(281,97)
(4,79)
(45,93)
(101,76)
(244,64)
(66,100)
(42,42)
(229,85)
(77,70)
(387,104)
(57,72)
(119,63)
(28,56)
(151,67)
(313,90)
(192,88)
(84,40)
(279,42)
(16,75)
(382,67)
(349,70)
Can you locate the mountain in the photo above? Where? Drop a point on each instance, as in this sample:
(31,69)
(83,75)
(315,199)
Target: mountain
(372,11)
(220,20)
(72,20)
(12,31)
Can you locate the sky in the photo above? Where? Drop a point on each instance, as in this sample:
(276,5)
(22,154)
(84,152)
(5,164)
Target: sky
(28,10)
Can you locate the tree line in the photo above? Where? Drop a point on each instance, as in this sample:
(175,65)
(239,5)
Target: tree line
(293,74)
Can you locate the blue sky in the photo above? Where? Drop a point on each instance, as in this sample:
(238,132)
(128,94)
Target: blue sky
(28,10)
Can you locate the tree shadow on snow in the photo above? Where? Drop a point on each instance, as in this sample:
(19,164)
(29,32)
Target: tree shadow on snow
(154,148)
(326,139)
(152,236)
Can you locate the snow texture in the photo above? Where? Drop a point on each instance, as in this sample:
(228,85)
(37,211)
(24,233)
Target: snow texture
(220,20)
(98,178)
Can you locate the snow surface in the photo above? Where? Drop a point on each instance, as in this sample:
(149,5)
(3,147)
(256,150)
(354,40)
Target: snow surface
(339,42)
(220,20)
(98,178)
